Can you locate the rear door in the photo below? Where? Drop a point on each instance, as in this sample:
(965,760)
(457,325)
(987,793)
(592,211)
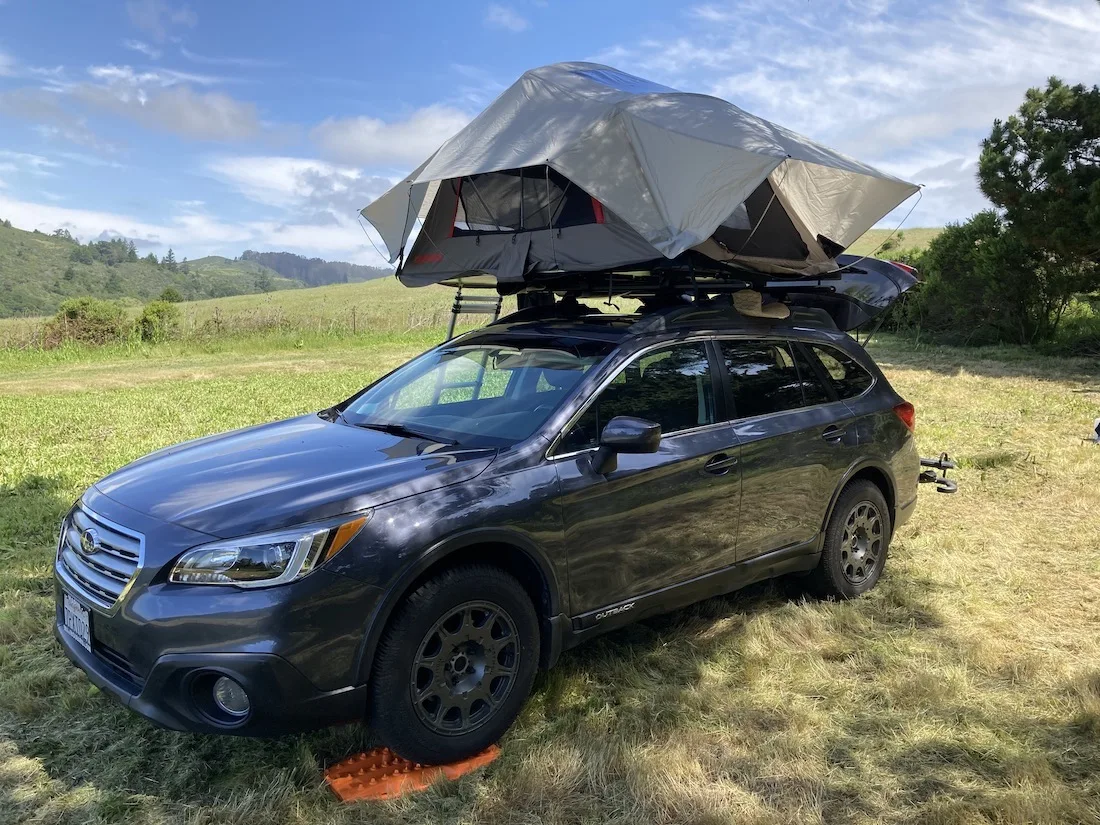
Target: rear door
(661,518)
(796,443)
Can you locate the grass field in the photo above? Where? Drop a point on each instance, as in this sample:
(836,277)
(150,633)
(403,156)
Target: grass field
(916,238)
(965,688)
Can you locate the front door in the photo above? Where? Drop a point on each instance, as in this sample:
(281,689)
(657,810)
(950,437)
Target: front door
(657,519)
(796,443)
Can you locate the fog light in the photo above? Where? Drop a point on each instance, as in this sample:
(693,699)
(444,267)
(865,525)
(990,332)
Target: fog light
(230,697)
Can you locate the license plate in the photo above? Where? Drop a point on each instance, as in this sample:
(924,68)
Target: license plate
(78,622)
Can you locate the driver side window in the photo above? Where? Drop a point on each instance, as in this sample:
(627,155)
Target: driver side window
(671,386)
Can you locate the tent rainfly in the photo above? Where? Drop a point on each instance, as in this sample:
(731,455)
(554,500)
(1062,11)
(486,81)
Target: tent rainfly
(579,167)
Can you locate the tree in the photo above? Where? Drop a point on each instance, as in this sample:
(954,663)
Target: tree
(65,235)
(264,282)
(151,259)
(169,260)
(1042,167)
(131,252)
(170,295)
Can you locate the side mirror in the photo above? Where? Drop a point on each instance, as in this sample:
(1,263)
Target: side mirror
(625,434)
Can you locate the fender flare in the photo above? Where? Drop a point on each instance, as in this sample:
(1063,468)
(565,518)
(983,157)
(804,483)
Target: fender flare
(399,586)
(849,474)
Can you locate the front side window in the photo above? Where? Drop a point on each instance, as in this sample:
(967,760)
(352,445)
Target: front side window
(849,379)
(763,377)
(671,387)
(487,393)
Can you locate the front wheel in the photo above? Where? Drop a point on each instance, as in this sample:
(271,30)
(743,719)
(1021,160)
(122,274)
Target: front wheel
(455,666)
(856,541)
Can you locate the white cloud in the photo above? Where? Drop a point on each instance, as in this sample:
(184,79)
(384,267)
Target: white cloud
(242,62)
(903,83)
(161,99)
(505,17)
(280,181)
(35,164)
(151,52)
(7,64)
(125,78)
(91,160)
(180,110)
(157,17)
(371,141)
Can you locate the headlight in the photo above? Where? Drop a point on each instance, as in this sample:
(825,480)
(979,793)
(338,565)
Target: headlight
(267,559)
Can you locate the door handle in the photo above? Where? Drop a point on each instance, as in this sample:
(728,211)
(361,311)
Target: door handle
(720,464)
(833,434)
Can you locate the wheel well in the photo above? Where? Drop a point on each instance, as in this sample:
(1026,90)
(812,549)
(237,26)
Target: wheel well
(506,557)
(880,480)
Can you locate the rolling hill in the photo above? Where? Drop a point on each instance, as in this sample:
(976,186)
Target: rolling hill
(38,272)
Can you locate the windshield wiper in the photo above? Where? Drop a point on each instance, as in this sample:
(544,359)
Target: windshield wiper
(401,430)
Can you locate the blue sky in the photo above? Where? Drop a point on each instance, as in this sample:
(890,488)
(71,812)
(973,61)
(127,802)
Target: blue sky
(215,127)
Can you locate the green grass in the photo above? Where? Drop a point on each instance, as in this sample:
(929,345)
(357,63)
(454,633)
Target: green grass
(965,688)
(916,238)
(288,318)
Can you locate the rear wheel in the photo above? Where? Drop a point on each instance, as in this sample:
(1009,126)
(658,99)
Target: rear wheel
(857,538)
(455,665)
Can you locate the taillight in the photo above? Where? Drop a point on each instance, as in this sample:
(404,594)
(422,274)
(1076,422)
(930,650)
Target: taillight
(907,413)
(911,270)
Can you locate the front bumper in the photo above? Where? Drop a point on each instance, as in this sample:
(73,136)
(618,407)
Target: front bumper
(176,692)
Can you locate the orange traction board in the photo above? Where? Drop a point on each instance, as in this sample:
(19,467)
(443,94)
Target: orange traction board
(382,774)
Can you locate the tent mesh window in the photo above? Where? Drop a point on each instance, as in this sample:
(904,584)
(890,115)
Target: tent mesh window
(520,200)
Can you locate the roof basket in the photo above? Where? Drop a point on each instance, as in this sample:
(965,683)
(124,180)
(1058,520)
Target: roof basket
(472,305)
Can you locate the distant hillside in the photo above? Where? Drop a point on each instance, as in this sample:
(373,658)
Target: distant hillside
(38,272)
(314,271)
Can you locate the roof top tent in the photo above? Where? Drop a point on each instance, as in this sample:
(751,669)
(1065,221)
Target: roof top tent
(580,167)
(581,174)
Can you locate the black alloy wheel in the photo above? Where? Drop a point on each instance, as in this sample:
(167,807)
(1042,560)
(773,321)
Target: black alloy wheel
(455,665)
(856,543)
(465,667)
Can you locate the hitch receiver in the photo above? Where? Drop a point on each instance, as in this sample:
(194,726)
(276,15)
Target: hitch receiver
(942,482)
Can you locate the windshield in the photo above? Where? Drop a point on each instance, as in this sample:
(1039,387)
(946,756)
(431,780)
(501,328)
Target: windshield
(487,393)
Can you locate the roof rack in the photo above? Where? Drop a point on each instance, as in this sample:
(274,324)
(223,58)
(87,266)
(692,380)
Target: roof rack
(721,311)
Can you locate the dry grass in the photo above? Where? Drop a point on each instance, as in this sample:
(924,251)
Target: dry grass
(965,689)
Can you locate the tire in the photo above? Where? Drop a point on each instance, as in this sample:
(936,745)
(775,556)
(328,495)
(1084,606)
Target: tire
(455,665)
(857,539)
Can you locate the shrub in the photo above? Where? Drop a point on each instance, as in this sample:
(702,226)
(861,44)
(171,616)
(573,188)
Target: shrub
(159,321)
(88,320)
(171,295)
(985,284)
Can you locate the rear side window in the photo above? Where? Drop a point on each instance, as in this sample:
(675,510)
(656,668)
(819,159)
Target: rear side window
(763,376)
(672,387)
(849,379)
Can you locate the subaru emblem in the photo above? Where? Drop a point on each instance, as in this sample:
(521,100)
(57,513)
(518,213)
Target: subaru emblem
(89,542)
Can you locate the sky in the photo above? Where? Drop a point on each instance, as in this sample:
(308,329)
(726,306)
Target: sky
(215,127)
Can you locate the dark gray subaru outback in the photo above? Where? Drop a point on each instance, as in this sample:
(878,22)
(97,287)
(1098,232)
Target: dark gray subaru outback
(413,554)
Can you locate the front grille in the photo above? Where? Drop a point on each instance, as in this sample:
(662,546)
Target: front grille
(100,576)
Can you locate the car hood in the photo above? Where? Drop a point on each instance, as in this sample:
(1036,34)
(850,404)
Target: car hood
(282,474)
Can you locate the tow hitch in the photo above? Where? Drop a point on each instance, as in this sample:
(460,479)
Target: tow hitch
(942,482)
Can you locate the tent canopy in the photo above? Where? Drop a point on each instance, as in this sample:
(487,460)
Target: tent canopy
(580,167)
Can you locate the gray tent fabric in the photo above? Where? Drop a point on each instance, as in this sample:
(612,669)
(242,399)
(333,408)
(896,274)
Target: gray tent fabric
(675,170)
